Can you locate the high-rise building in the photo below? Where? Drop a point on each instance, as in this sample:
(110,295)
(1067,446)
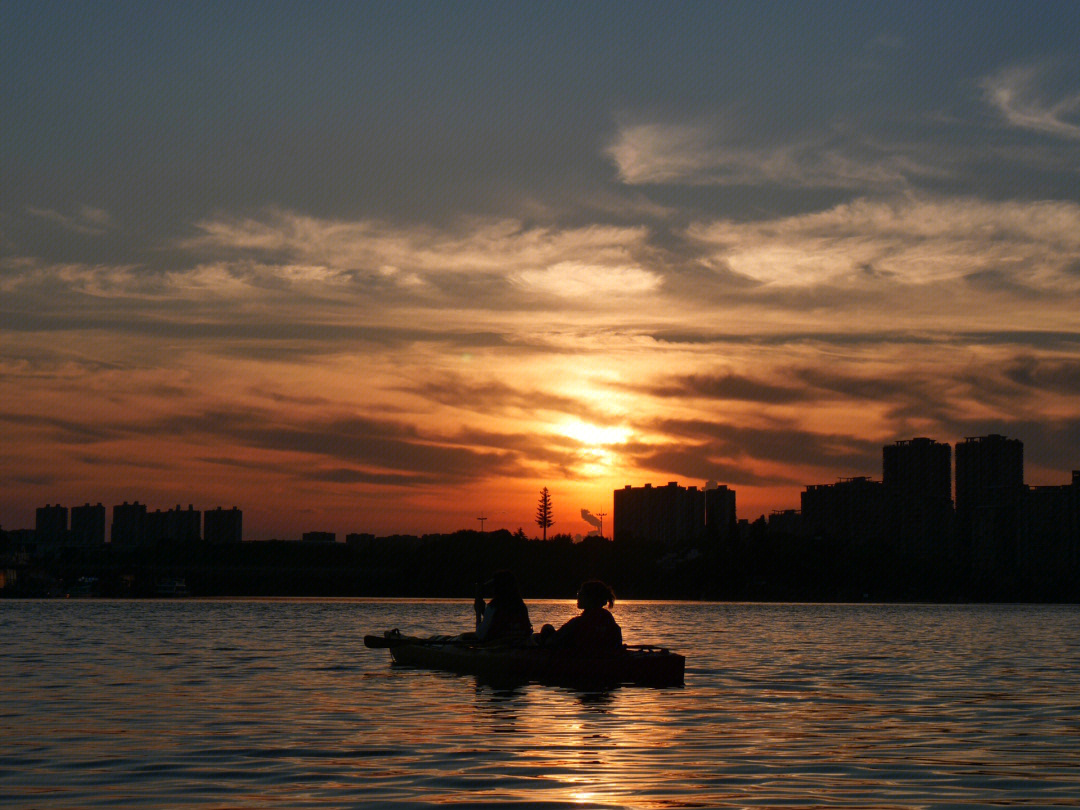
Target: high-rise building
(917,478)
(51,525)
(720,519)
(918,468)
(223,525)
(129,524)
(986,467)
(183,525)
(88,525)
(1050,534)
(670,515)
(989,493)
(156,528)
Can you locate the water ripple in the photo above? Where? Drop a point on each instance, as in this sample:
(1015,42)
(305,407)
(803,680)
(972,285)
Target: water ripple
(275,703)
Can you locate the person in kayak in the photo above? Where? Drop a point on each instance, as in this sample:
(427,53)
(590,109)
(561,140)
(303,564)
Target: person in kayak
(595,629)
(506,615)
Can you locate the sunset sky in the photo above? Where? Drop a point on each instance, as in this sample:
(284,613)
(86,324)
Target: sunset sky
(386,267)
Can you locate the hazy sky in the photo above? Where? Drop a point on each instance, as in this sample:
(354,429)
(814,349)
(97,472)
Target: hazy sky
(390,266)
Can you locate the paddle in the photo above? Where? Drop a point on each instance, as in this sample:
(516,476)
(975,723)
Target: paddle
(397,640)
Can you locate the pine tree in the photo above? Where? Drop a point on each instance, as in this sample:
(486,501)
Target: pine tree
(543,512)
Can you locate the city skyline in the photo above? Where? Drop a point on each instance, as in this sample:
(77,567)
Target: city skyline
(919,470)
(398,266)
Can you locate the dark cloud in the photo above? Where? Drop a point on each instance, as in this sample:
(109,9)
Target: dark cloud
(24,479)
(902,386)
(1036,339)
(1056,375)
(310,472)
(781,443)
(493,396)
(64,431)
(344,475)
(289,399)
(264,338)
(705,337)
(382,445)
(694,462)
(998,280)
(535,454)
(727,387)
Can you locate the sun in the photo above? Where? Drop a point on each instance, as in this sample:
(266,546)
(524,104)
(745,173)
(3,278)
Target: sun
(594,435)
(598,453)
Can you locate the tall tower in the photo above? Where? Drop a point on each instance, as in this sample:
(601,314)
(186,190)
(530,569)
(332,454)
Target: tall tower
(917,479)
(88,525)
(986,468)
(720,519)
(918,468)
(51,525)
(128,524)
(670,515)
(989,495)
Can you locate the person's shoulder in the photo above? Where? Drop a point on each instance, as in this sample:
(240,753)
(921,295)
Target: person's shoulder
(570,625)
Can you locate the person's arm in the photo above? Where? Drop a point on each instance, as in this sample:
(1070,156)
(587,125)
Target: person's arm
(564,636)
(478,605)
(484,625)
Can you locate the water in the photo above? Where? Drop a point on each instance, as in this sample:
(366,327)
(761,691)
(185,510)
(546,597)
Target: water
(276,703)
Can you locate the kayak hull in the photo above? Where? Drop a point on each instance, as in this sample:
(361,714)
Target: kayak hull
(644,666)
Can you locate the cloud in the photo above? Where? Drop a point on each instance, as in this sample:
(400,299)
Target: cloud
(911,239)
(374,450)
(308,253)
(704,462)
(711,154)
(765,353)
(400,452)
(26,275)
(371,444)
(493,397)
(65,431)
(582,282)
(725,386)
(1046,374)
(312,472)
(1029,98)
(781,441)
(85,220)
(294,273)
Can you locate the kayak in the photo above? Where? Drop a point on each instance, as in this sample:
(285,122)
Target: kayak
(526,661)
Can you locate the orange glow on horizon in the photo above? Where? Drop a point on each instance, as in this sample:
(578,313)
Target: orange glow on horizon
(316,397)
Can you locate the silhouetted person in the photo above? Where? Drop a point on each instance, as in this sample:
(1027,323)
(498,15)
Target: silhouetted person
(595,630)
(506,615)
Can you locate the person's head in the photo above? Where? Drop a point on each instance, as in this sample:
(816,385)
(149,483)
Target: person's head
(594,594)
(504,587)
